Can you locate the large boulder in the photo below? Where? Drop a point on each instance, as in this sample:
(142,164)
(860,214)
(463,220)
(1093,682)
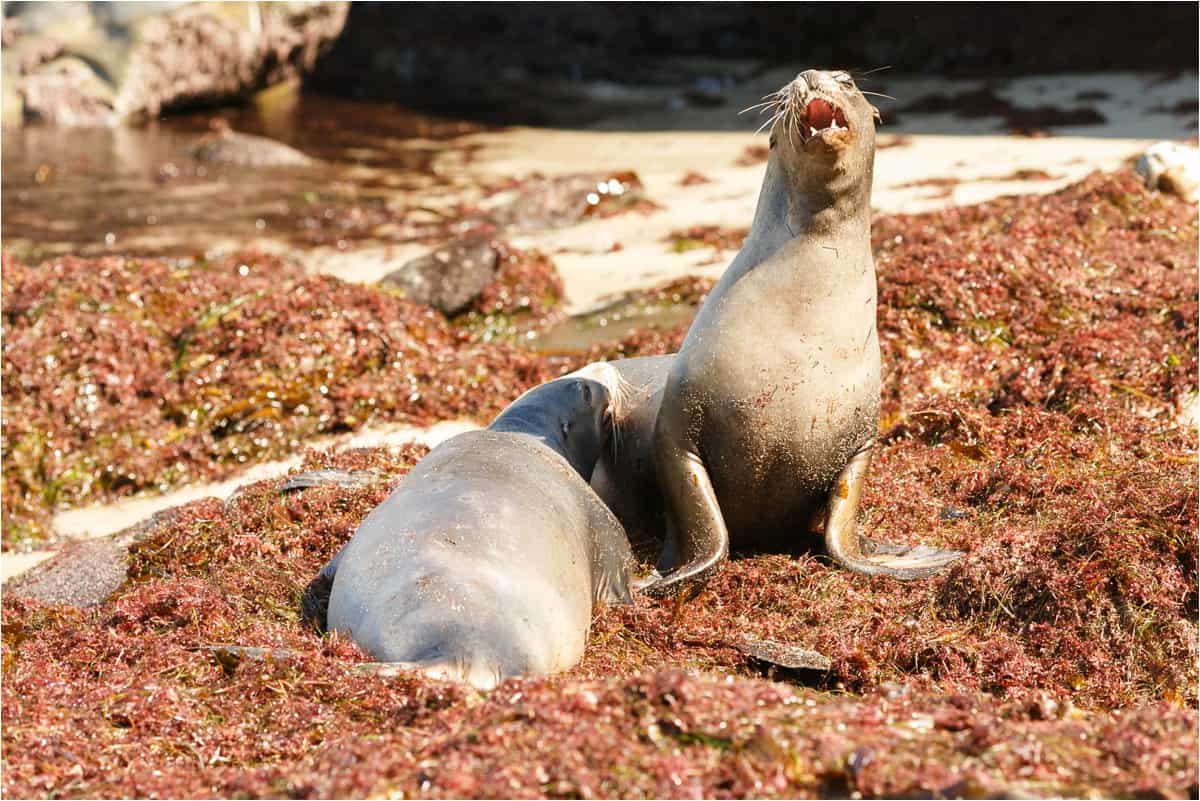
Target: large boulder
(97,63)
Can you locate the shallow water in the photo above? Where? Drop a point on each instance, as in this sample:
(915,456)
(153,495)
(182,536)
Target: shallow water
(138,190)
(611,324)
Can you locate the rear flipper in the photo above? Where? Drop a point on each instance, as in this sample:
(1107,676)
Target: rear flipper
(865,555)
(697,543)
(479,677)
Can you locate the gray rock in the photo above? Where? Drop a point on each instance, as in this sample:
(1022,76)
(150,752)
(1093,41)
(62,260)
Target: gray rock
(564,200)
(547,203)
(784,655)
(351,479)
(157,56)
(66,91)
(245,150)
(450,277)
(85,573)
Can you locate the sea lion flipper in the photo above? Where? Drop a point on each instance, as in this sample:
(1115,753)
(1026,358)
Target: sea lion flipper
(862,554)
(612,568)
(698,537)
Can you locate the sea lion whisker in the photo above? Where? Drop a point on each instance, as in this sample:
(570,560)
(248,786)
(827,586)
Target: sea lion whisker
(763,126)
(758,105)
(795,124)
(767,124)
(876,94)
(871,72)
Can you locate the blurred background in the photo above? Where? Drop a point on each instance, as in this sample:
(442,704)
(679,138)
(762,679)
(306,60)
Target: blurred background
(124,122)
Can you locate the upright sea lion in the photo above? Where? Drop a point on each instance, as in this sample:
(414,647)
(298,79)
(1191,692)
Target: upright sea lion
(626,479)
(486,560)
(770,409)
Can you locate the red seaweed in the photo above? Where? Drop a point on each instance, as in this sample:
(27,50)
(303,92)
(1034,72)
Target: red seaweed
(1037,353)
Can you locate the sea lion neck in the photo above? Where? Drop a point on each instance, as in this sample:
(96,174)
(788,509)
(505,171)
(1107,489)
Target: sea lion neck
(540,414)
(816,202)
(541,424)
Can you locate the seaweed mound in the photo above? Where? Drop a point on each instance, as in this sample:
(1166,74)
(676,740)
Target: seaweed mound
(1038,354)
(122,375)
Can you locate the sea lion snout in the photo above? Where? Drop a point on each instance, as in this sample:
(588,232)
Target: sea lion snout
(824,128)
(821,105)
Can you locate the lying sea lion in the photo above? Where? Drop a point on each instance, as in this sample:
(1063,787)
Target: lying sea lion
(486,560)
(770,409)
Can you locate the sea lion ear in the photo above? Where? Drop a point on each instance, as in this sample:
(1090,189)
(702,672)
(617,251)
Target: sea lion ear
(875,113)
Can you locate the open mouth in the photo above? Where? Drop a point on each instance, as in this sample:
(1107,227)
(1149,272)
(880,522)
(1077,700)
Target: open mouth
(820,117)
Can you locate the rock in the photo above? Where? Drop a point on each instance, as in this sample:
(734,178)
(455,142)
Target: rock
(791,657)
(152,57)
(85,573)
(230,656)
(450,277)
(562,201)
(1171,167)
(246,150)
(546,203)
(351,479)
(66,91)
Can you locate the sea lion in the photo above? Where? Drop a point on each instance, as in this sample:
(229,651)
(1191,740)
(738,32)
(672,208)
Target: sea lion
(770,408)
(485,561)
(626,479)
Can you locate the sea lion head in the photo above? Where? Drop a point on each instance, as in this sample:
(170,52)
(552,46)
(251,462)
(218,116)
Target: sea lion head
(575,414)
(588,423)
(823,132)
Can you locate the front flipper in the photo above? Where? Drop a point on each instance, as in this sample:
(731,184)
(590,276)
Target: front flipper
(697,540)
(612,563)
(865,555)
